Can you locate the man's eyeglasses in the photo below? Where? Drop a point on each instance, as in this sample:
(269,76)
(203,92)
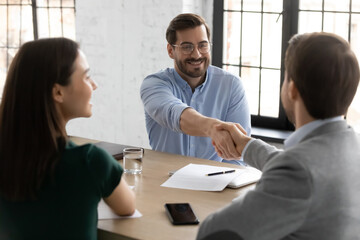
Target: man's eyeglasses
(188,48)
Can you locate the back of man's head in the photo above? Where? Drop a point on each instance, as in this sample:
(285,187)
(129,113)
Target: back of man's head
(182,22)
(325,71)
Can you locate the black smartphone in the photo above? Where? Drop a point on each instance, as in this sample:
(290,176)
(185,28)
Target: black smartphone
(181,213)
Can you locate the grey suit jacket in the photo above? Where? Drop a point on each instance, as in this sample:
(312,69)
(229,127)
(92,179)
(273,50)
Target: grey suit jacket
(309,191)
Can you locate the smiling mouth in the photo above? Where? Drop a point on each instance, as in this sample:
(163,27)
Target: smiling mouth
(195,62)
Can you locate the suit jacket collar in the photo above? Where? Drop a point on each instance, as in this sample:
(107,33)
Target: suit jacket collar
(306,129)
(330,127)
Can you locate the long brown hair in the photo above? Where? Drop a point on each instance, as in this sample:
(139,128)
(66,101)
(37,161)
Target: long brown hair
(31,135)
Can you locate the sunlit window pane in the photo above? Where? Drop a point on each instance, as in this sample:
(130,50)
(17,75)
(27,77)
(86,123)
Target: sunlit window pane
(271,44)
(231,48)
(55,22)
(251,40)
(353,116)
(310,22)
(54,3)
(355,34)
(337,23)
(310,4)
(273,6)
(68,3)
(355,7)
(69,23)
(27,27)
(270,87)
(3,67)
(55,18)
(14,26)
(232,5)
(14,1)
(336,5)
(43,19)
(11,53)
(3,45)
(42,3)
(250,78)
(3,26)
(252,5)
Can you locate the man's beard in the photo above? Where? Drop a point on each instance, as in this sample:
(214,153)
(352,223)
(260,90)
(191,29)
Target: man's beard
(197,72)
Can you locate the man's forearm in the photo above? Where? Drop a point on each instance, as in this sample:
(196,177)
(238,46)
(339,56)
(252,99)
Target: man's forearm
(196,124)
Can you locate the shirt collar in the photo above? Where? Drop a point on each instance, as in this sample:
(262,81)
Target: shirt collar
(202,86)
(300,133)
(183,84)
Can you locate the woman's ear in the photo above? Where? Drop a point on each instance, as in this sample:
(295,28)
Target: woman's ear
(58,94)
(170,50)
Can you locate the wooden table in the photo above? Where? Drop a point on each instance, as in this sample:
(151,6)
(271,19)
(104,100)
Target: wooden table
(151,197)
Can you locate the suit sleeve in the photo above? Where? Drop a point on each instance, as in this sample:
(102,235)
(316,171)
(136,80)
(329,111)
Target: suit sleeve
(258,153)
(277,207)
(160,102)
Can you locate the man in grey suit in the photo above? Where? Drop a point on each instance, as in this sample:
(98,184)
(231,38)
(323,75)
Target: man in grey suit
(311,190)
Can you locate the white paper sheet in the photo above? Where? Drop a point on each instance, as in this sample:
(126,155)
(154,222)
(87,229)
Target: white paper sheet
(105,212)
(193,177)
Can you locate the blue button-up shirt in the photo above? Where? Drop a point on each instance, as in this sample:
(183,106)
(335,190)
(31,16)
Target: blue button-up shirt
(166,95)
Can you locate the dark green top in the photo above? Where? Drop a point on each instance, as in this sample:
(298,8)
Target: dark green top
(66,208)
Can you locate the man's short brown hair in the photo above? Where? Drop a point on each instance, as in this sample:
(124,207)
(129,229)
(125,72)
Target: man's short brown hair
(184,21)
(325,71)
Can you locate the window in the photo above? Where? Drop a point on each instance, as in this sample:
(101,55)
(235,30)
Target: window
(250,39)
(25,20)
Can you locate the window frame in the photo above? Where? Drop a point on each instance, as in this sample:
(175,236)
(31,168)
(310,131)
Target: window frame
(35,23)
(290,18)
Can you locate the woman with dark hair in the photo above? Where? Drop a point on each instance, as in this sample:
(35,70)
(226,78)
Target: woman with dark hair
(49,187)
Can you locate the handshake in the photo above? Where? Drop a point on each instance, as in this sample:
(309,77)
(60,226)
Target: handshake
(229,139)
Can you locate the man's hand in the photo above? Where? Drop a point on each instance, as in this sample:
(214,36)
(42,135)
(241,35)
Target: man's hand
(238,136)
(223,143)
(195,124)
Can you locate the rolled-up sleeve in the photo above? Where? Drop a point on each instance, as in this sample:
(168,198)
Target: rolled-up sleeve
(160,103)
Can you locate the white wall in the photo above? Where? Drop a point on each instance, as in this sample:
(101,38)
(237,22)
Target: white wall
(124,41)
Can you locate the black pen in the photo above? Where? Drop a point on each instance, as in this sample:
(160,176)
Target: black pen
(218,173)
